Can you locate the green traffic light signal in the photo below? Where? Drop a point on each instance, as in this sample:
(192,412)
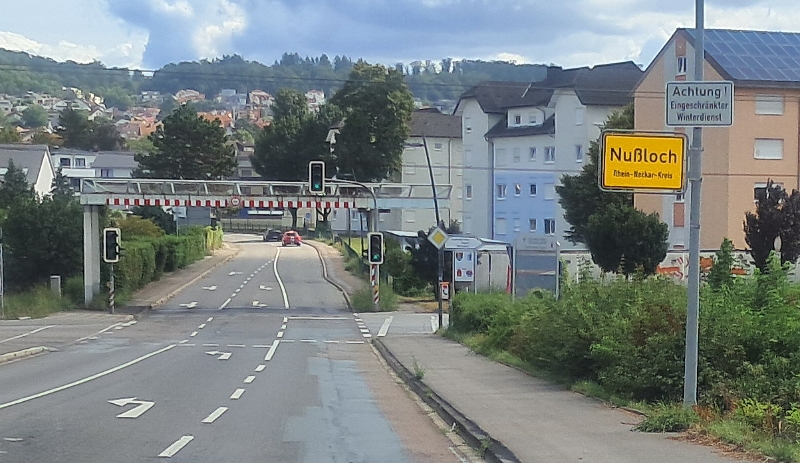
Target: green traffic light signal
(316,176)
(375,240)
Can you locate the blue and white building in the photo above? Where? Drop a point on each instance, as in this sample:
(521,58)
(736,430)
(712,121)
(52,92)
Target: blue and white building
(519,138)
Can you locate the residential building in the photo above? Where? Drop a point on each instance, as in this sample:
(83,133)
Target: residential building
(188,95)
(442,134)
(74,164)
(34,160)
(315,98)
(762,144)
(519,138)
(114,164)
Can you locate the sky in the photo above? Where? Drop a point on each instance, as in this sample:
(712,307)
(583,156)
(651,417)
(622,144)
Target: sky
(147,34)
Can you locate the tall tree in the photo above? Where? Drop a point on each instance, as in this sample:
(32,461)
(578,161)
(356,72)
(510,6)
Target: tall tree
(8,134)
(188,147)
(580,196)
(75,128)
(15,187)
(61,188)
(34,116)
(377,107)
(777,215)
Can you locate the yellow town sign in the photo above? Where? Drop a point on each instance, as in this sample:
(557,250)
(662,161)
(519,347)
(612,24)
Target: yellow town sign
(643,162)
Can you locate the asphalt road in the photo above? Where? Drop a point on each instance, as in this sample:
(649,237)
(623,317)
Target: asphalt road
(258,362)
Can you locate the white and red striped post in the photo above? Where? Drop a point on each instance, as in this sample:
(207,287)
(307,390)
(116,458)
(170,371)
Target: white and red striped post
(374,279)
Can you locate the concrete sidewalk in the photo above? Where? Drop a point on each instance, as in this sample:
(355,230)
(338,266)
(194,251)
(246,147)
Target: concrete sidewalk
(23,338)
(535,420)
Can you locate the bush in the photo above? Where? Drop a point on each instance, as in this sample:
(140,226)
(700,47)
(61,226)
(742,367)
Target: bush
(669,418)
(73,290)
(362,299)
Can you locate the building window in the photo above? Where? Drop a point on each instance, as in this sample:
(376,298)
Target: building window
(516,155)
(578,153)
(549,226)
(501,191)
(517,189)
(768,148)
(550,154)
(760,190)
(532,154)
(500,226)
(549,191)
(517,224)
(80,162)
(106,173)
(247,191)
(437,146)
(468,191)
(65,162)
(681,66)
(75,183)
(533,119)
(411,216)
(517,119)
(533,189)
(532,225)
(769,104)
(467,125)
(580,115)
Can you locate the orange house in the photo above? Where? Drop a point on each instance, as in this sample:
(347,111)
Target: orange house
(762,144)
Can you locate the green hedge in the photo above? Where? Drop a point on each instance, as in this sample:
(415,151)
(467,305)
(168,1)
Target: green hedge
(146,259)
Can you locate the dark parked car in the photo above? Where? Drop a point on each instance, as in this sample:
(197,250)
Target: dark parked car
(272,235)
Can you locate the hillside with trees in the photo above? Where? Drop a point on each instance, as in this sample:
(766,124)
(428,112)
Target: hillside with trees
(427,80)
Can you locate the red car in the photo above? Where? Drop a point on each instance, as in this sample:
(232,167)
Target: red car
(291,237)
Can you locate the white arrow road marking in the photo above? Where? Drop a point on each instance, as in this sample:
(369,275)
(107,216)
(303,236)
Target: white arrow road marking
(271,350)
(237,393)
(225,356)
(385,327)
(249,379)
(234,273)
(215,414)
(176,447)
(135,412)
(264,288)
(190,305)
(210,288)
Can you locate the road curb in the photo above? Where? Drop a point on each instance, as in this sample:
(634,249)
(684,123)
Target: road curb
(490,449)
(328,279)
(22,354)
(147,308)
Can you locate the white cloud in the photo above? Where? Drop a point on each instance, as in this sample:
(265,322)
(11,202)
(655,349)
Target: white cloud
(122,55)
(213,39)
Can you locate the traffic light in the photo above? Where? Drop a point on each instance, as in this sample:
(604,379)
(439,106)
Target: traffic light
(111,245)
(375,251)
(316,176)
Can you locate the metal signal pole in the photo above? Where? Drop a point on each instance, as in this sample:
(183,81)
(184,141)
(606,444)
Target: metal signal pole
(440,271)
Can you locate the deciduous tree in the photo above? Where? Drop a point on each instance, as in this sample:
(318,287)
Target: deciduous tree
(777,214)
(34,116)
(188,147)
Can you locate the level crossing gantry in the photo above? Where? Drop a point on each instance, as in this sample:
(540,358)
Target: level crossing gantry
(99,192)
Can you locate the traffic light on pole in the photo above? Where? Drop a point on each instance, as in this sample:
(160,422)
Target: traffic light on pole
(111,245)
(316,176)
(375,251)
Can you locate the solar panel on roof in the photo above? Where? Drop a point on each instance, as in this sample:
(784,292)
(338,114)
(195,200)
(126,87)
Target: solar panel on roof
(753,55)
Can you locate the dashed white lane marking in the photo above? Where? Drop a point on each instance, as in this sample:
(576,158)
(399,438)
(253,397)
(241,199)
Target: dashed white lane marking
(308,340)
(236,345)
(385,327)
(214,415)
(94,336)
(331,342)
(184,341)
(225,356)
(211,345)
(241,286)
(271,351)
(209,319)
(194,333)
(237,290)
(201,326)
(280,282)
(237,393)
(175,447)
(185,345)
(354,342)
(280,334)
(249,379)
(283,327)
(260,346)
(87,379)
(359,320)
(366,335)
(434,324)
(314,318)
(224,304)
(260,368)
(285,319)
(287,340)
